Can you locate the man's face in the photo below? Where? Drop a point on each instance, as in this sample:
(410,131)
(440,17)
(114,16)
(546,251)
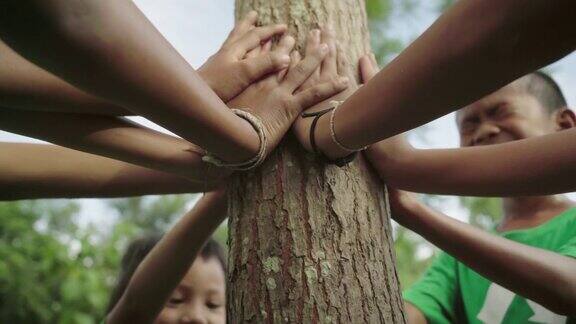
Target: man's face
(506,115)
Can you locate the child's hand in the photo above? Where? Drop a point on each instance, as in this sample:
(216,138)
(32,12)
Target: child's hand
(331,69)
(275,99)
(231,69)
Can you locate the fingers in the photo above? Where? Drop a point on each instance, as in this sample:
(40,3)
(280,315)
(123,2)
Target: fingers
(262,49)
(256,36)
(312,42)
(321,92)
(295,58)
(242,27)
(245,24)
(368,67)
(285,46)
(329,65)
(303,70)
(264,64)
(253,53)
(342,62)
(267,46)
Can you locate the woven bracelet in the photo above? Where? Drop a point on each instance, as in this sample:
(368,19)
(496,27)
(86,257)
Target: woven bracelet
(253,162)
(337,104)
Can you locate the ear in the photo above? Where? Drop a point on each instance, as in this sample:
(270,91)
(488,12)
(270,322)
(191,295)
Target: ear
(565,119)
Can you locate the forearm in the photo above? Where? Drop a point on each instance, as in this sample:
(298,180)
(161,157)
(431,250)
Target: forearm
(24,85)
(475,48)
(170,259)
(32,171)
(551,280)
(115,138)
(125,60)
(535,166)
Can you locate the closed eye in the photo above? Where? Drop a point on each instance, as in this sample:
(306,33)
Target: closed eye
(469,124)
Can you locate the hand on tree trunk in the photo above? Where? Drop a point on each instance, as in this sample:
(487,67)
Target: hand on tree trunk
(231,70)
(275,99)
(335,67)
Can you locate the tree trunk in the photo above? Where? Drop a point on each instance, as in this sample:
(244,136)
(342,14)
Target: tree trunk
(311,243)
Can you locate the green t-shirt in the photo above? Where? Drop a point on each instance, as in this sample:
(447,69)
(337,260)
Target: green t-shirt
(450,292)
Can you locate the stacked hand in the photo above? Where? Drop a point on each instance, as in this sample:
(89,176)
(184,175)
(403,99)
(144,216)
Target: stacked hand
(279,98)
(275,83)
(240,62)
(334,67)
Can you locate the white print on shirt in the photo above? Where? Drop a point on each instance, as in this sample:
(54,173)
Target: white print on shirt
(498,300)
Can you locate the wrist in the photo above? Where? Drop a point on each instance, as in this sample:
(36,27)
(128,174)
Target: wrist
(206,77)
(244,164)
(325,142)
(244,143)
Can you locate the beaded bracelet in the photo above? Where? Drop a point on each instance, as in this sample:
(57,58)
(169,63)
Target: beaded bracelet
(337,104)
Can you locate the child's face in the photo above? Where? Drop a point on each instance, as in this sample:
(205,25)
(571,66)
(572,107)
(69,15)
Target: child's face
(200,297)
(508,114)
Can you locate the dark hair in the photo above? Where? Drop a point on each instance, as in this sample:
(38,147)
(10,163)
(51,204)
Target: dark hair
(139,248)
(543,87)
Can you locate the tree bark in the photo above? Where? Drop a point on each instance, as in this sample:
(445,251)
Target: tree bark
(311,243)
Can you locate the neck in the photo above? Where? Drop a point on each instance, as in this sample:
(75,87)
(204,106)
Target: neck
(526,212)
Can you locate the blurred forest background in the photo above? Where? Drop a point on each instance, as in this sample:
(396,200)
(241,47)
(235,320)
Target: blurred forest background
(55,269)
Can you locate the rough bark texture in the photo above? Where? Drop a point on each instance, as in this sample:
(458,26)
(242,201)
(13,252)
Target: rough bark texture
(311,243)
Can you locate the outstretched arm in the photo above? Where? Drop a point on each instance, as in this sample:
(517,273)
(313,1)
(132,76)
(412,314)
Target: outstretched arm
(32,171)
(24,85)
(169,260)
(535,166)
(121,139)
(109,49)
(476,47)
(113,137)
(551,280)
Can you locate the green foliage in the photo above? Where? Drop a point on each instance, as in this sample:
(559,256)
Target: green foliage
(152,213)
(54,271)
(484,212)
(408,247)
(47,273)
